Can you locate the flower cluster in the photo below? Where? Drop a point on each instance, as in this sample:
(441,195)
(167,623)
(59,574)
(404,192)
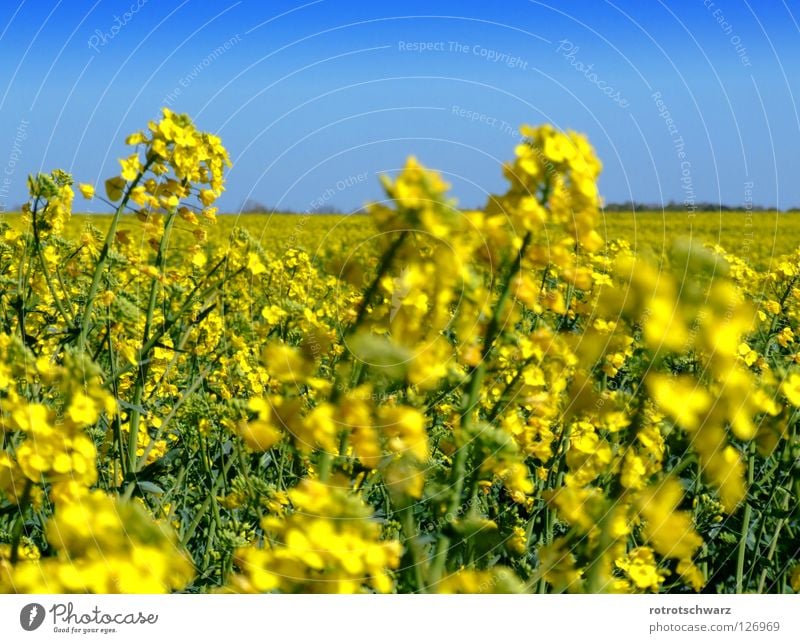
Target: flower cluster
(195,159)
(329,544)
(103,546)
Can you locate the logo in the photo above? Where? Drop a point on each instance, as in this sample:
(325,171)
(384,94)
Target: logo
(31,617)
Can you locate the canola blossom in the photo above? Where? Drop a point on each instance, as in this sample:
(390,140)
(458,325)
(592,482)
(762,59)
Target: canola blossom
(474,401)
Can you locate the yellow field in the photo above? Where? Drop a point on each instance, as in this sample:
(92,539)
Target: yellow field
(757,238)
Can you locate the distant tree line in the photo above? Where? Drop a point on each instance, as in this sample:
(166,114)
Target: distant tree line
(251,206)
(677,206)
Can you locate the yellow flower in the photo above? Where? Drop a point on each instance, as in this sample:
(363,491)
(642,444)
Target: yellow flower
(518,541)
(273,314)
(559,567)
(691,574)
(634,471)
(254,264)
(102,546)
(747,354)
(329,544)
(641,567)
(682,398)
(669,531)
(794,578)
(207,197)
(135,139)
(82,410)
(260,434)
(498,580)
(199,259)
(131,167)
(403,428)
(790,387)
(87,190)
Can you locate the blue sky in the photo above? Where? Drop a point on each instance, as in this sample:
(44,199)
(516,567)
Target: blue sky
(313,99)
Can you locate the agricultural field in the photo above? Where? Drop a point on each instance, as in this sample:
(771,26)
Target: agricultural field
(760,237)
(533,397)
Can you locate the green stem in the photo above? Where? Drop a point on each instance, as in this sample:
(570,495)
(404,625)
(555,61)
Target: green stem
(103,258)
(171,321)
(771,553)
(135,415)
(16,536)
(443,544)
(383,267)
(549,521)
(410,530)
(206,463)
(498,405)
(548,538)
(748,514)
(187,535)
(117,419)
(763,516)
(325,466)
(47,277)
(595,581)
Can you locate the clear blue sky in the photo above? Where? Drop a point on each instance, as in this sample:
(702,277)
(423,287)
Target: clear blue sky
(313,99)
